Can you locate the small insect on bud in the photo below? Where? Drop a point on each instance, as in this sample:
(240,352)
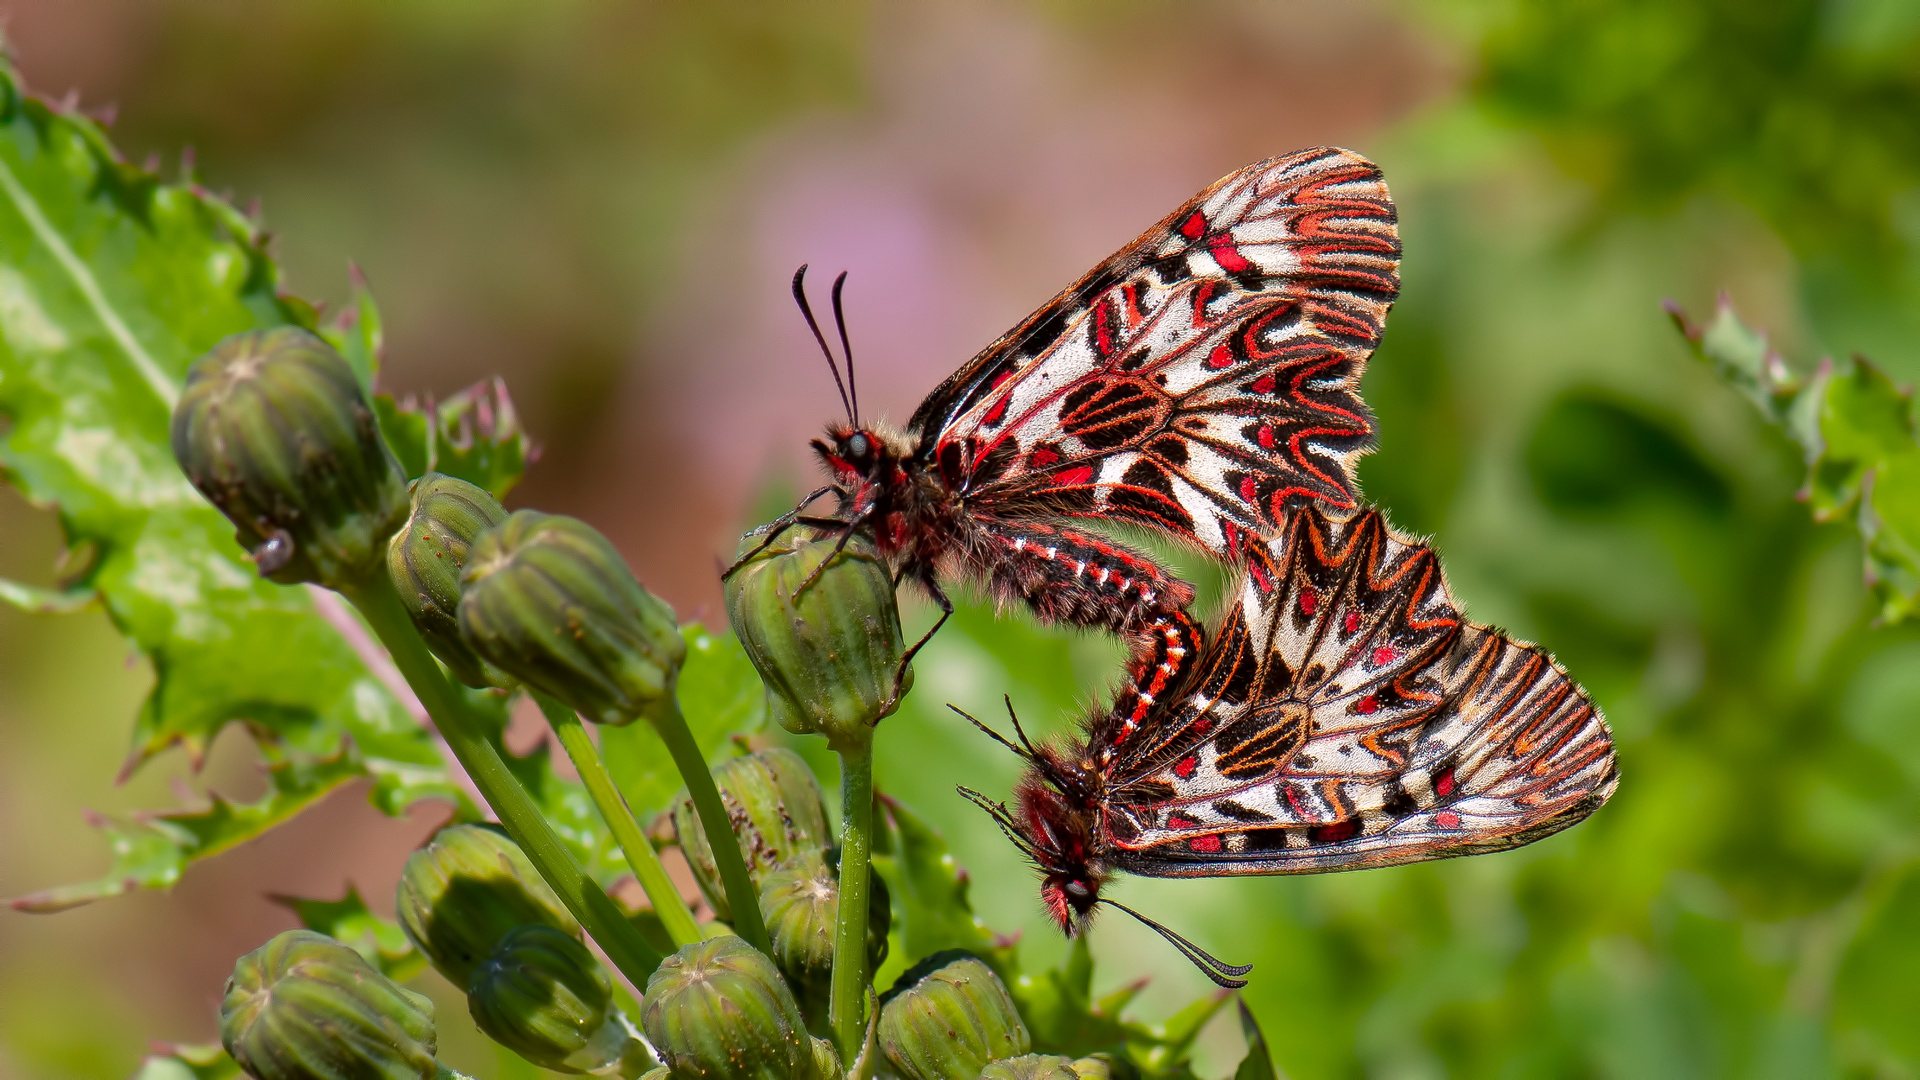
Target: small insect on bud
(1032,1067)
(544,996)
(546,599)
(463,892)
(273,429)
(825,640)
(776,809)
(947,1017)
(305,1007)
(426,558)
(717,1010)
(801,902)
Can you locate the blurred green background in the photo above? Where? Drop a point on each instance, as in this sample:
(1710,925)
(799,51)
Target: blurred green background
(602,201)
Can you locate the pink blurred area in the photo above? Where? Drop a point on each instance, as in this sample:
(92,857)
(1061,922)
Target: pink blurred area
(605,203)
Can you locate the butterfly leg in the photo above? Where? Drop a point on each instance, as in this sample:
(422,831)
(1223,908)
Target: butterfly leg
(777,528)
(938,596)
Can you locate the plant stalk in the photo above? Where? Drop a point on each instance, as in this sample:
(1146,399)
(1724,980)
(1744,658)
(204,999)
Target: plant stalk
(465,734)
(659,888)
(850,973)
(742,897)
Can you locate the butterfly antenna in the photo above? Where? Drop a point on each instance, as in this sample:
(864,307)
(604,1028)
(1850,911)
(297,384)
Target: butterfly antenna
(996,736)
(1001,817)
(846,348)
(800,297)
(1221,972)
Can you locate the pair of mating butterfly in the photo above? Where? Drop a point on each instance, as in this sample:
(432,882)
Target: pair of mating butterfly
(1203,382)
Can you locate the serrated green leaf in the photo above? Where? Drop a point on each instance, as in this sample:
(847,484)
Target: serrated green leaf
(720,695)
(176,1061)
(380,941)
(111,283)
(474,435)
(929,894)
(1258,1064)
(1864,420)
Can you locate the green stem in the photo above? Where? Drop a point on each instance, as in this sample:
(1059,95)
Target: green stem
(850,935)
(742,897)
(465,734)
(667,904)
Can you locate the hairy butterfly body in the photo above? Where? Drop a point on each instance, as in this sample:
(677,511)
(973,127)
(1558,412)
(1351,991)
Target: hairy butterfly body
(1344,716)
(1199,382)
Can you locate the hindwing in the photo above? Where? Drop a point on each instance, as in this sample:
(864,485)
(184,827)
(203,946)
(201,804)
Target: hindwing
(1200,380)
(1347,716)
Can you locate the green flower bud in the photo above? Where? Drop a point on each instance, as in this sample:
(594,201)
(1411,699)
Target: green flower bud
(775,807)
(828,652)
(548,600)
(305,1007)
(947,1017)
(1032,1067)
(426,558)
(461,894)
(826,1062)
(800,900)
(1103,1066)
(717,1010)
(273,429)
(544,996)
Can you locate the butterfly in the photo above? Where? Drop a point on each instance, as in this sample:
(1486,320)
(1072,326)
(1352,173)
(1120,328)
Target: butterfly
(1198,382)
(1344,716)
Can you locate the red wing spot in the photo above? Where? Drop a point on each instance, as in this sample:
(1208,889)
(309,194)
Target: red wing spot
(1294,800)
(1001,379)
(1264,384)
(1228,255)
(1185,768)
(1206,845)
(1248,490)
(1334,833)
(1309,601)
(996,414)
(1266,436)
(1178,820)
(1447,819)
(1202,725)
(1194,227)
(1220,357)
(1074,477)
(1383,656)
(1043,457)
(1260,577)
(1367,704)
(1353,622)
(1443,784)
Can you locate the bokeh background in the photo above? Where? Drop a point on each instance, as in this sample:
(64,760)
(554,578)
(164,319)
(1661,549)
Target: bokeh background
(603,202)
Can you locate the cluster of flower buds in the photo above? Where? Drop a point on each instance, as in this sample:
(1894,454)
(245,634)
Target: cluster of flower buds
(273,428)
(305,1007)
(800,900)
(718,1010)
(947,1017)
(821,626)
(426,559)
(473,905)
(777,812)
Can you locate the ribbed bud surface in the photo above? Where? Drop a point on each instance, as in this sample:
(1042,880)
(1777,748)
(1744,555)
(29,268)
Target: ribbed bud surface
(828,651)
(542,995)
(800,900)
(549,601)
(717,1010)
(426,558)
(775,807)
(273,429)
(305,1007)
(464,891)
(947,1017)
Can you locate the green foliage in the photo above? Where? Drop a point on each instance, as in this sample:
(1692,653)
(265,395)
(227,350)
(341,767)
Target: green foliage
(1856,431)
(380,941)
(179,1061)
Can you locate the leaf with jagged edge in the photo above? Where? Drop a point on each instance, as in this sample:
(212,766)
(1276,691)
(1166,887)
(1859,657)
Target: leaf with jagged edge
(929,894)
(1856,432)
(347,920)
(188,1061)
(111,283)
(474,435)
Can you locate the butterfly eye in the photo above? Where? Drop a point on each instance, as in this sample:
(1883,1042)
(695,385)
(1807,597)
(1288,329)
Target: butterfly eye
(857,447)
(1078,890)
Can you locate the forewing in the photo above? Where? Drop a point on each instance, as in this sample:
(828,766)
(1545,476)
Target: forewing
(1463,741)
(1201,379)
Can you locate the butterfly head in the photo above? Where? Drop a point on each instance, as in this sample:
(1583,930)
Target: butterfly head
(858,455)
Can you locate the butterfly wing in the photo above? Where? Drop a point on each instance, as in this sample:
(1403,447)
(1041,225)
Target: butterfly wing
(1199,380)
(1372,726)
